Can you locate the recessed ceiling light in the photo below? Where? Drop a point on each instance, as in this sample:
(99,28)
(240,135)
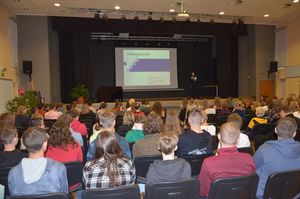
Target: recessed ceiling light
(295,1)
(266,15)
(221,13)
(117,7)
(57,4)
(172,10)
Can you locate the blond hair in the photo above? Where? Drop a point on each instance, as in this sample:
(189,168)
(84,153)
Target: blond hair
(229,133)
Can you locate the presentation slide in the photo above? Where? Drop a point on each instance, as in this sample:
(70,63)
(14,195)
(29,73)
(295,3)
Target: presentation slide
(146,68)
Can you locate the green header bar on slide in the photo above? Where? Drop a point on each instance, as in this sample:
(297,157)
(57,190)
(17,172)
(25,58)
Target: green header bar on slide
(148,54)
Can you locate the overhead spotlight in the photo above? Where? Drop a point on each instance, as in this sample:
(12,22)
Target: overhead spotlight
(211,21)
(97,15)
(136,18)
(117,7)
(266,15)
(56,4)
(123,18)
(221,13)
(172,10)
(295,1)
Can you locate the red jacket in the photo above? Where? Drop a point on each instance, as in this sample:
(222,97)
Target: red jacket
(79,127)
(229,163)
(70,154)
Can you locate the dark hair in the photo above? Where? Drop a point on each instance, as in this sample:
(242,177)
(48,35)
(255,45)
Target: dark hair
(69,107)
(7,120)
(157,108)
(40,105)
(34,138)
(51,106)
(61,136)
(107,147)
(7,135)
(74,113)
(66,119)
(153,124)
(285,108)
(103,105)
(286,127)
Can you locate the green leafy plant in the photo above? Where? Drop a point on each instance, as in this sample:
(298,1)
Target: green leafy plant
(29,100)
(79,91)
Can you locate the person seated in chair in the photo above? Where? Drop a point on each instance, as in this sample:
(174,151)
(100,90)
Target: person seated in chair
(277,155)
(170,168)
(259,119)
(37,174)
(109,168)
(194,141)
(228,163)
(10,156)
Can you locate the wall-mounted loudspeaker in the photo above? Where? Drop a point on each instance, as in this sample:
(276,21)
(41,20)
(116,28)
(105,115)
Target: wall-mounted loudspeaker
(27,68)
(273,66)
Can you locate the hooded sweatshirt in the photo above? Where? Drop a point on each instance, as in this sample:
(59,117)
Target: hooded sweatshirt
(168,171)
(275,156)
(11,158)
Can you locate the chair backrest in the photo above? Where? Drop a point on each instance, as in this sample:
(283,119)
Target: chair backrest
(215,142)
(74,172)
(246,150)
(121,192)
(282,185)
(142,164)
(196,162)
(212,118)
(186,189)
(42,196)
(236,187)
(4,177)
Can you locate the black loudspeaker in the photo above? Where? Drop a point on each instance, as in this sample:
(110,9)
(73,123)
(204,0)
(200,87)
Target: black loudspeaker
(27,67)
(273,66)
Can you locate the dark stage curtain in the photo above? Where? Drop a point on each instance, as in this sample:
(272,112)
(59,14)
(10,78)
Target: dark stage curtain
(75,67)
(227,65)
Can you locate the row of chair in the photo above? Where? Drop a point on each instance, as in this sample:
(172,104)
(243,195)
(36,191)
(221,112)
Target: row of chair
(280,185)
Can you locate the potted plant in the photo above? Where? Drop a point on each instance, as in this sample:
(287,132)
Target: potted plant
(80,93)
(29,100)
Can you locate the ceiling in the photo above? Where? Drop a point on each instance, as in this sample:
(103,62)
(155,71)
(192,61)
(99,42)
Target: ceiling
(252,11)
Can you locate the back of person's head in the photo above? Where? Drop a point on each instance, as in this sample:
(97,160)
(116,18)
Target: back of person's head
(157,108)
(285,108)
(66,119)
(60,135)
(34,139)
(37,122)
(131,101)
(260,111)
(8,135)
(128,118)
(36,116)
(51,106)
(74,113)
(107,119)
(235,118)
(167,142)
(172,122)
(140,119)
(85,108)
(7,120)
(136,106)
(153,124)
(286,128)
(69,107)
(40,106)
(21,110)
(229,134)
(103,105)
(294,106)
(195,116)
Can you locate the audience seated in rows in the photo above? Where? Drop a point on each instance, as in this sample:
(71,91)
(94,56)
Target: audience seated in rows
(148,145)
(278,155)
(106,122)
(52,114)
(109,168)
(194,141)
(170,168)
(137,131)
(228,162)
(10,156)
(259,119)
(128,121)
(37,174)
